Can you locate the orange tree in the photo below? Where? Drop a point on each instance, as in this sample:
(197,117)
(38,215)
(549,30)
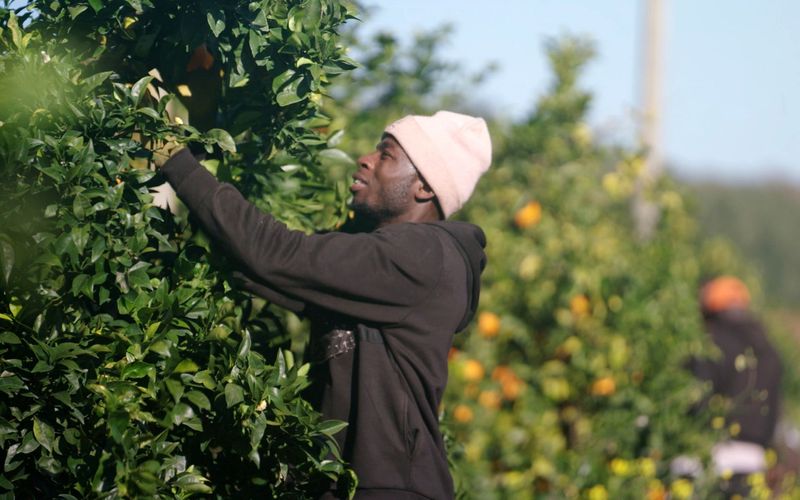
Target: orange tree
(570,383)
(128,365)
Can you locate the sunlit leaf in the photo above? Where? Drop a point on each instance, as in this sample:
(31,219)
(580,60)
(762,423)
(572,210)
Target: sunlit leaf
(223,139)
(44,434)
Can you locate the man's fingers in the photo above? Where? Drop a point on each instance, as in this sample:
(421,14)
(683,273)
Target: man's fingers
(160,158)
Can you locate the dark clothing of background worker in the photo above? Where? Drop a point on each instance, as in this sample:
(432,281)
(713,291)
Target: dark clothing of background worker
(748,373)
(384,303)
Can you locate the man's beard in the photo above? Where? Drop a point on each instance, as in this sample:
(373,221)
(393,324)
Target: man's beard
(395,202)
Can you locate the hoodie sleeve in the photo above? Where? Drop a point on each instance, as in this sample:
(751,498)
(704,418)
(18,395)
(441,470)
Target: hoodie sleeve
(373,276)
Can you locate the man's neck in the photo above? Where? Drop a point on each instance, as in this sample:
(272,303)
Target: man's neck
(364,223)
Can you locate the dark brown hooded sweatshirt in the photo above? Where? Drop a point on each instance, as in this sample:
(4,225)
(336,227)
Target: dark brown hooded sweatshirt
(753,389)
(384,306)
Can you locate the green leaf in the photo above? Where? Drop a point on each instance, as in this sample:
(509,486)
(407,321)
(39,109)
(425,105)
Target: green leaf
(289,356)
(216,25)
(6,260)
(256,40)
(238,80)
(9,338)
(80,236)
(160,347)
(44,434)
(15,309)
(96,5)
(331,427)
(181,413)
(151,330)
(280,361)
(175,388)
(313,14)
(98,249)
(192,482)
(336,156)
(41,367)
(80,282)
(186,366)
(138,89)
(29,444)
(152,113)
(193,423)
(5,483)
(280,80)
(76,10)
(10,385)
(204,377)
(289,95)
(199,399)
(137,369)
(117,423)
(234,394)
(93,81)
(223,138)
(336,138)
(292,167)
(244,346)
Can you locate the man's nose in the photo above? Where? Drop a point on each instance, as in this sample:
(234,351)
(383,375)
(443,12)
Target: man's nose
(364,162)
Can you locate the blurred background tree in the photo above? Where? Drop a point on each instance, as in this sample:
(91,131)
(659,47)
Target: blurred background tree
(571,381)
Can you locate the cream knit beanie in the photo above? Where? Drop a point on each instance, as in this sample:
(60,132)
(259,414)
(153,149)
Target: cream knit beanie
(450,150)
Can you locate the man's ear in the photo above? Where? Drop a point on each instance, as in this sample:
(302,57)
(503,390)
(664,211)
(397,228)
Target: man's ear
(424,192)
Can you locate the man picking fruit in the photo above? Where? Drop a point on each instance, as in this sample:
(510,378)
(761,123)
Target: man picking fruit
(384,299)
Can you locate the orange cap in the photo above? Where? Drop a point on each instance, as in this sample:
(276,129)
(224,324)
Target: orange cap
(723,293)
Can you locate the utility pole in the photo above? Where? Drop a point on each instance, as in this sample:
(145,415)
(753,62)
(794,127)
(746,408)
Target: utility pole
(645,212)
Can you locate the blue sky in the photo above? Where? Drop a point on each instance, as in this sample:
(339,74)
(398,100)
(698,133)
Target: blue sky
(731,89)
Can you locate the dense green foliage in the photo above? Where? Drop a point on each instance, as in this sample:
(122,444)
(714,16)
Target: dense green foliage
(128,366)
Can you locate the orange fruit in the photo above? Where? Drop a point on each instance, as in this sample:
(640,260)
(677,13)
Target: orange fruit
(512,388)
(488,324)
(580,306)
(528,215)
(604,386)
(501,373)
(462,413)
(473,370)
(489,399)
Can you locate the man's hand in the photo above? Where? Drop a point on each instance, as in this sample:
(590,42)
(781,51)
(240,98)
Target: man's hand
(163,149)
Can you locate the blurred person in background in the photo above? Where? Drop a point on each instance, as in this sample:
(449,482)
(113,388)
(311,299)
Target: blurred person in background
(748,374)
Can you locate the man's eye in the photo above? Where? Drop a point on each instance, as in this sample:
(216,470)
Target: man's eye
(385,156)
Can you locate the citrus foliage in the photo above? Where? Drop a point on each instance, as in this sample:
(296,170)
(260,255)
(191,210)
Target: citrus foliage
(128,366)
(570,384)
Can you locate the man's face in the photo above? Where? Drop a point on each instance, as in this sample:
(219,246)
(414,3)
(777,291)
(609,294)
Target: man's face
(385,183)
